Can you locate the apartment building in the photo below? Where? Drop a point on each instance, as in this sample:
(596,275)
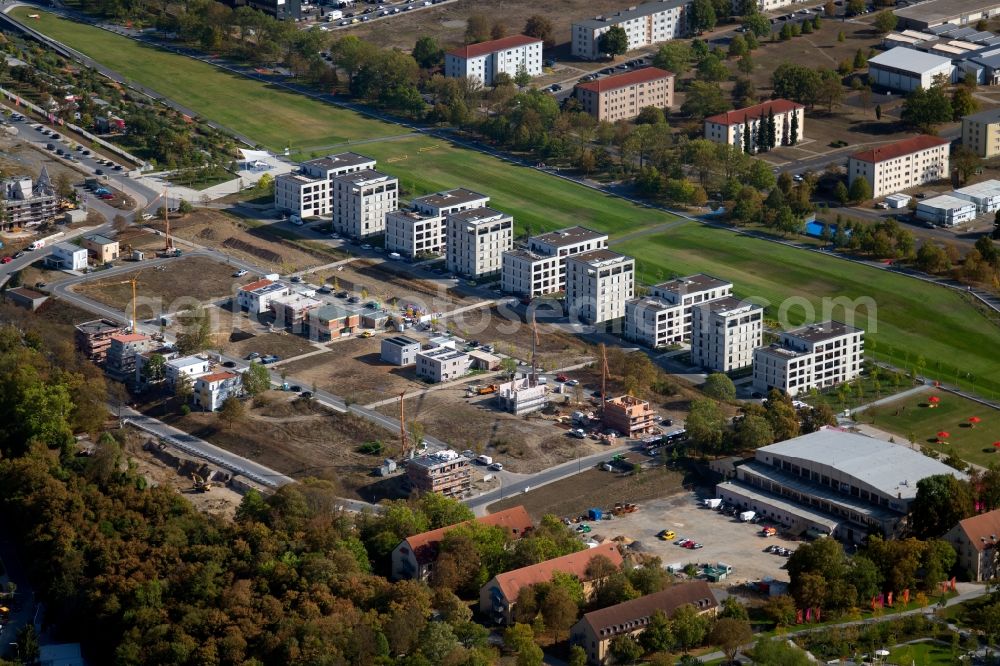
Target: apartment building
(256,297)
(623,96)
(901,165)
(654,322)
(415,556)
(361,201)
(211,390)
(448,202)
(27,204)
(442,364)
(731,127)
(477,239)
(725,333)
(185,366)
(332,322)
(598,284)
(498,597)
(399,350)
(484,61)
(93,338)
(645,25)
(744,7)
(981,133)
(413,234)
(975,542)
(819,356)
(103,249)
(308,193)
(444,472)
(629,416)
(68,257)
(122,351)
(522,396)
(290,310)
(690,291)
(540,268)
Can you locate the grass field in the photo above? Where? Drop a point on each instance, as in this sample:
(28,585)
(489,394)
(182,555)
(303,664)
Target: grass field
(912,319)
(271,116)
(923,654)
(913,418)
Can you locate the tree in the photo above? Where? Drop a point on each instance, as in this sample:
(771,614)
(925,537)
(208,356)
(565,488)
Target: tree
(702,15)
(830,90)
(197,333)
(256,379)
(674,56)
(860,59)
(963,103)
(625,649)
(931,258)
(718,385)
(155,368)
(183,388)
(885,21)
(772,130)
(689,627)
(738,47)
(757,24)
(706,424)
(428,53)
(712,69)
(793,130)
(860,190)
(925,109)
(704,99)
(540,26)
(119,223)
(577,656)
(657,637)
(520,639)
(779,652)
(232,411)
(786,32)
(729,635)
(941,501)
(614,42)
(733,608)
(522,78)
(796,82)
(754,431)
(650,115)
(559,609)
(855,7)
(966,162)
(477,29)
(987,250)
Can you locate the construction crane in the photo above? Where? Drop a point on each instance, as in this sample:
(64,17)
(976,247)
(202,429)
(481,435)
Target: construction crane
(403,446)
(604,376)
(534,345)
(132,281)
(168,243)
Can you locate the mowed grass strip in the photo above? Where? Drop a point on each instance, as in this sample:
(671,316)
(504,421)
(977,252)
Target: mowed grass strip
(537,201)
(918,319)
(271,116)
(912,419)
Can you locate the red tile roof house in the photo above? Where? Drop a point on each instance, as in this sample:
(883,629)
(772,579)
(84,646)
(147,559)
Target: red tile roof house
(498,597)
(484,61)
(414,557)
(975,541)
(729,127)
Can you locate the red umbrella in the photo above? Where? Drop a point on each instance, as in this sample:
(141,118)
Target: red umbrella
(996,445)
(934,399)
(943,435)
(973,420)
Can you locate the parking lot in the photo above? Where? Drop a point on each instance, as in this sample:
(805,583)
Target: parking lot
(723,538)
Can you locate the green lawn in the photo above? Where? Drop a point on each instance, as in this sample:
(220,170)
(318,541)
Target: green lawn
(271,116)
(912,417)
(923,654)
(912,319)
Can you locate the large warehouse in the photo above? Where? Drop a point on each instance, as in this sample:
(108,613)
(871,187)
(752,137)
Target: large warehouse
(938,12)
(904,69)
(832,482)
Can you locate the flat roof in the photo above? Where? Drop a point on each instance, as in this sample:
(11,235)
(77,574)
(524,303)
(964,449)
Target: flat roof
(909,60)
(781,504)
(728,304)
(442,353)
(478,215)
(778,351)
(400,341)
(822,331)
(941,11)
(568,236)
(528,255)
(596,257)
(693,283)
(185,361)
(439,458)
(653,303)
(98,326)
(455,197)
(946,202)
(985,188)
(340,161)
(884,466)
(412,215)
(69,247)
(99,239)
(330,313)
(364,177)
(631,13)
(986,117)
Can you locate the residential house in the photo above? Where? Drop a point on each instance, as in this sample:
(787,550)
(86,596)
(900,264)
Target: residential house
(623,96)
(400,350)
(725,333)
(361,200)
(598,284)
(256,296)
(211,390)
(482,62)
(645,25)
(68,257)
(901,165)
(477,239)
(731,127)
(975,542)
(332,322)
(103,249)
(442,364)
(816,356)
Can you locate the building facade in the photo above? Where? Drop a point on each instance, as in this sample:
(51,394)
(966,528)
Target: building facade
(444,472)
(185,366)
(645,25)
(690,291)
(67,256)
(361,200)
(933,13)
(623,96)
(522,396)
(904,69)
(442,364)
(946,210)
(332,322)
(413,234)
(400,350)
(256,297)
(484,61)
(211,390)
(985,195)
(817,356)
(975,542)
(93,338)
(629,416)
(27,204)
(290,310)
(540,268)
(898,166)
(103,249)
(653,322)
(981,133)
(477,239)
(598,284)
(308,193)
(725,333)
(731,127)
(123,350)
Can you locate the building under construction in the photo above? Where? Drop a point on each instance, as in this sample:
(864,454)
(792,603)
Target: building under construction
(93,338)
(445,472)
(28,204)
(522,396)
(628,415)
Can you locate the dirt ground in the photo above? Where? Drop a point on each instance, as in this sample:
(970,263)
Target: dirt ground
(18,158)
(282,344)
(301,440)
(218,230)
(180,283)
(511,335)
(447,23)
(353,370)
(387,280)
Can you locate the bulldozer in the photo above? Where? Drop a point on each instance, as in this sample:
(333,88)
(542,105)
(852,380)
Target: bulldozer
(201,484)
(486,390)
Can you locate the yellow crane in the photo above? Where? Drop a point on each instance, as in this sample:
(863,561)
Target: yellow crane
(133,281)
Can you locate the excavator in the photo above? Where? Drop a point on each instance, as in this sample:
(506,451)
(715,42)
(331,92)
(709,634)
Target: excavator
(200,484)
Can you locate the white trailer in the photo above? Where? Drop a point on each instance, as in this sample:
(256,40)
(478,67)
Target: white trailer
(747,516)
(713,503)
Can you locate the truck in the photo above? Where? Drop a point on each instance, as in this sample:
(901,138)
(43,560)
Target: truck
(747,516)
(484,460)
(37,245)
(334,15)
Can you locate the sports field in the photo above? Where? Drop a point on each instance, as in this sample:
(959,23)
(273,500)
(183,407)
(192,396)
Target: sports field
(269,115)
(914,319)
(914,420)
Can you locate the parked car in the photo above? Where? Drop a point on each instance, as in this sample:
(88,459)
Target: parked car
(354,299)
(99,172)
(667,535)
(341,294)
(6,260)
(252,355)
(496,467)
(240,273)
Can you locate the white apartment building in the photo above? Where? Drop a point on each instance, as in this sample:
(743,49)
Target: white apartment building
(442,364)
(540,269)
(482,62)
(256,297)
(901,165)
(598,284)
(690,291)
(412,233)
(647,24)
(68,257)
(190,366)
(819,356)
(211,390)
(308,192)
(725,333)
(742,7)
(654,322)
(477,239)
(361,201)
(449,201)
(731,126)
